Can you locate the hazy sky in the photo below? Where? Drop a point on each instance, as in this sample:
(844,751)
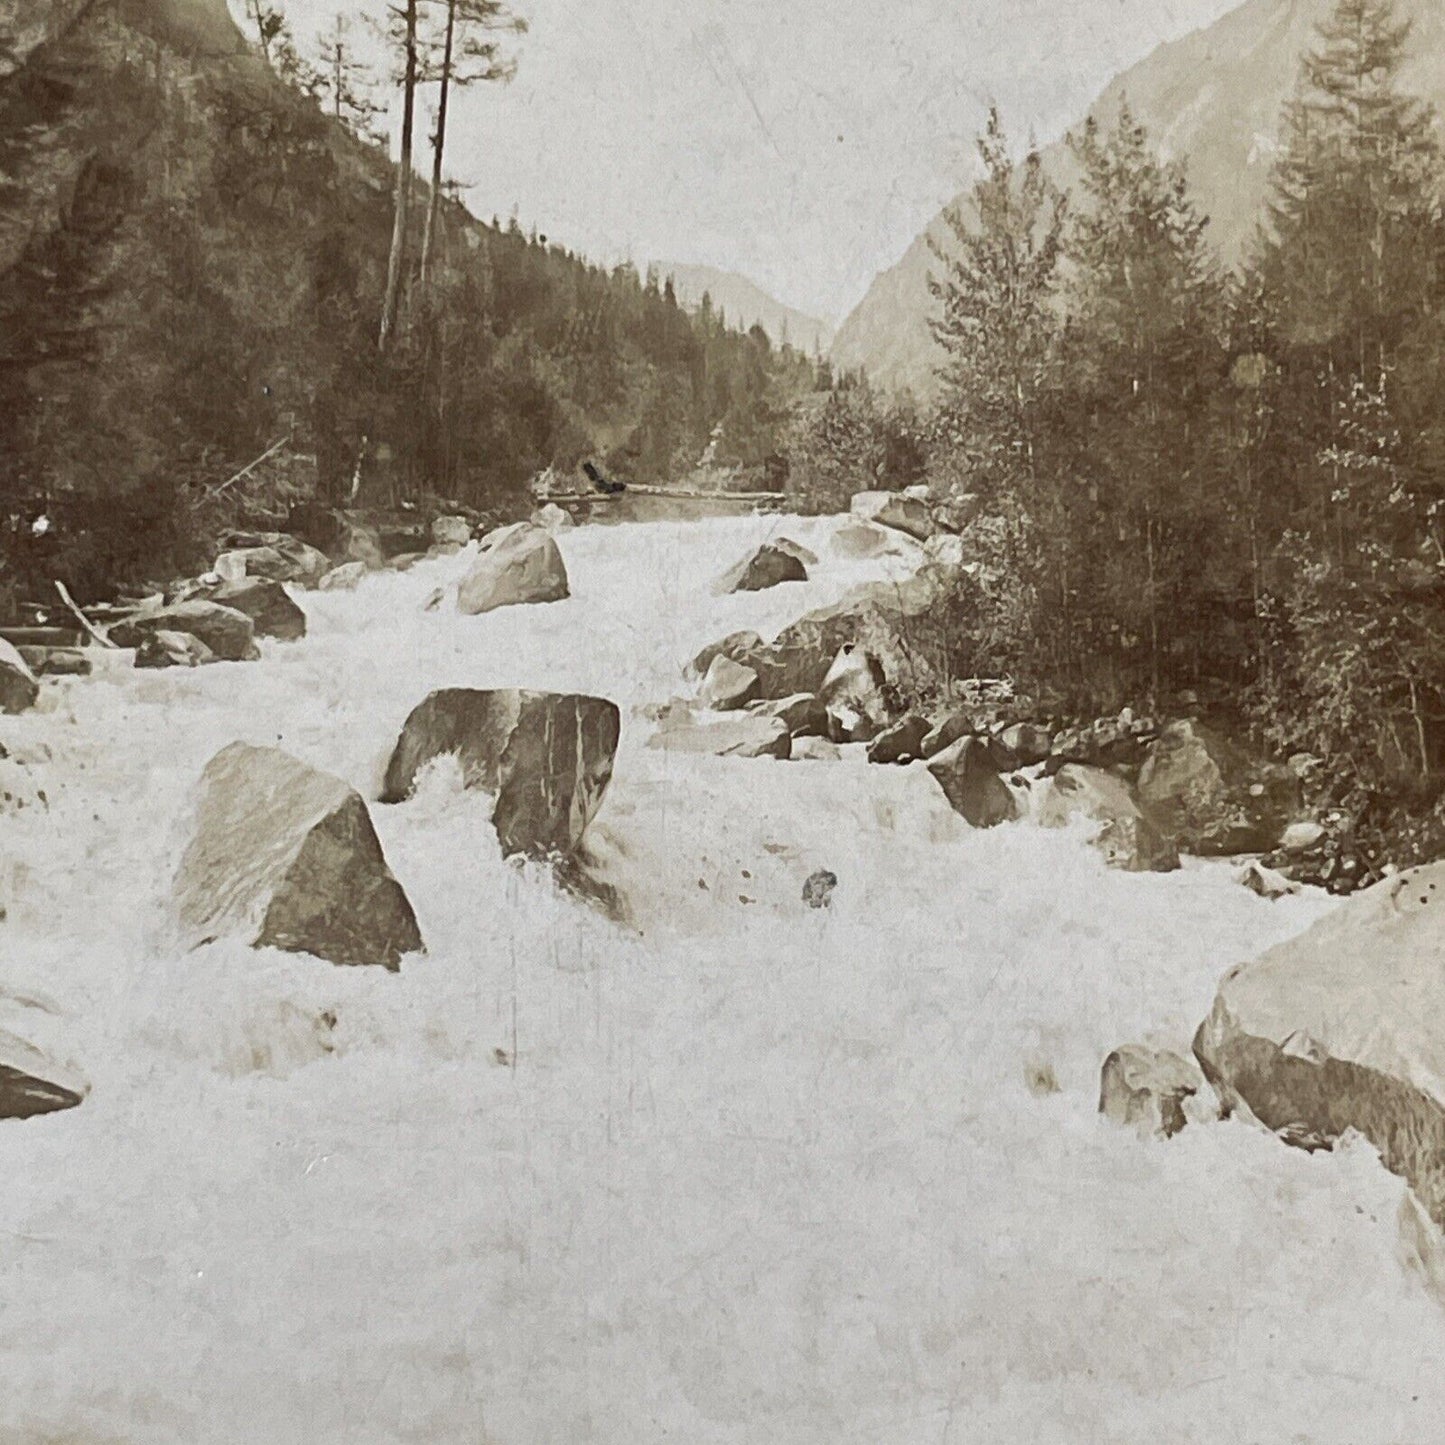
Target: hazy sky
(803,143)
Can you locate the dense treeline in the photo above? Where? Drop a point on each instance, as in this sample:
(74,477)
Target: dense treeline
(1190,479)
(208,284)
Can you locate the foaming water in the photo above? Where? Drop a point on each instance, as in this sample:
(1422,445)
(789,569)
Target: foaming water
(743,1171)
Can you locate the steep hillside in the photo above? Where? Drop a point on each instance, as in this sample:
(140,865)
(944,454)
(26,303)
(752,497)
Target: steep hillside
(1212,99)
(191,261)
(747,304)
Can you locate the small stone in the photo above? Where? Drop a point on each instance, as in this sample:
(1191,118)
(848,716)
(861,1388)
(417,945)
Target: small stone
(818,890)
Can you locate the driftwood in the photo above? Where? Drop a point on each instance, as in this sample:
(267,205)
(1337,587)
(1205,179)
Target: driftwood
(81,618)
(249,467)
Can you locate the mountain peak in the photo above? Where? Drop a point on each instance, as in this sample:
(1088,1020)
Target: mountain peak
(747,304)
(1211,100)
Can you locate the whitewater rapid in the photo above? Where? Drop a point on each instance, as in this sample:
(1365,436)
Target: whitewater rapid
(743,1172)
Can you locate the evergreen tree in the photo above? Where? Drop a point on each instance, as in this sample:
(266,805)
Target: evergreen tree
(1145,345)
(346,85)
(468,52)
(996,322)
(1347,247)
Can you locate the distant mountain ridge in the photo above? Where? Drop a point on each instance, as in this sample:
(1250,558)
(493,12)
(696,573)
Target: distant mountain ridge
(747,304)
(1212,99)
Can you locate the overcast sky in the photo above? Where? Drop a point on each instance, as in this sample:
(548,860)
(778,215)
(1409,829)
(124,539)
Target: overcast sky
(803,143)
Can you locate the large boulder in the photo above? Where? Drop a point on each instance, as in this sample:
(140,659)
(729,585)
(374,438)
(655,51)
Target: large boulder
(853,695)
(876,615)
(897,510)
(518,564)
(728,685)
(285,856)
(546,757)
(769,566)
(18,687)
(974,790)
(273,556)
(32,1083)
(741,735)
(1129,839)
(228,633)
(1343,1027)
(1211,797)
(267,604)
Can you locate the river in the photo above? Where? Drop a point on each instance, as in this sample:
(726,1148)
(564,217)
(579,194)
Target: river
(741,1172)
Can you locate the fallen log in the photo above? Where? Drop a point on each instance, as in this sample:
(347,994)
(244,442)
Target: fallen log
(80,617)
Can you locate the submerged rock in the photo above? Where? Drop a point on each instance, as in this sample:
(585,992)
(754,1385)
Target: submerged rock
(18,687)
(285,856)
(818,889)
(770,566)
(897,510)
(974,790)
(815,750)
(1146,1090)
(518,564)
(228,633)
(858,541)
(1343,1028)
(547,757)
(740,735)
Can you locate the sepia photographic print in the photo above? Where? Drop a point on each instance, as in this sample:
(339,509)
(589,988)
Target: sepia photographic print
(722,722)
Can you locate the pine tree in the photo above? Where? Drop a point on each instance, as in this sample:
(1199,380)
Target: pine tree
(1146,323)
(469,53)
(996,323)
(346,84)
(404,34)
(1355,192)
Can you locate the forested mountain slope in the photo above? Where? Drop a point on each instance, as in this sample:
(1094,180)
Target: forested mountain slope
(192,257)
